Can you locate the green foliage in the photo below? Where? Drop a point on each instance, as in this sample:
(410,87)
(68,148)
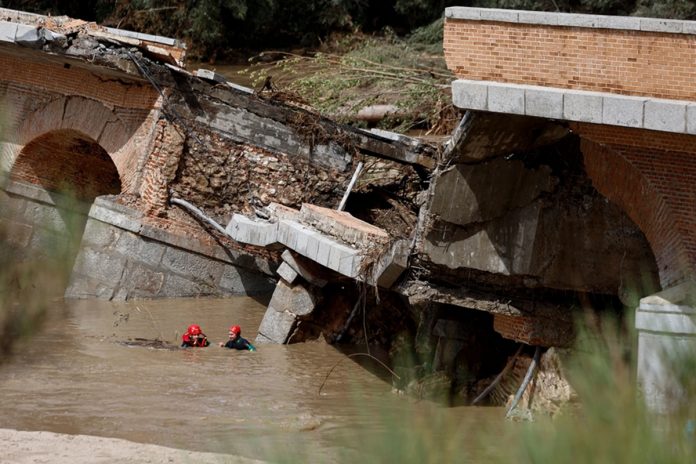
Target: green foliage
(373,71)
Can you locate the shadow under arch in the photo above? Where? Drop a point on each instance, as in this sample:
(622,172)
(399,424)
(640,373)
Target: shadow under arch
(71,169)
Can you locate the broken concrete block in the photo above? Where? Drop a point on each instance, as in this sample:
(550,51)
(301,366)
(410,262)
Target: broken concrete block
(279,211)
(307,269)
(392,264)
(276,326)
(342,225)
(251,231)
(287,273)
(295,299)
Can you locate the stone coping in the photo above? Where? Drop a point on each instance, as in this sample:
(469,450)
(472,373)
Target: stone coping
(676,116)
(37,20)
(627,23)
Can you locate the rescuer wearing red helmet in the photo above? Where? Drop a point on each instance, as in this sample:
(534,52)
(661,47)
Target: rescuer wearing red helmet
(194,336)
(236,342)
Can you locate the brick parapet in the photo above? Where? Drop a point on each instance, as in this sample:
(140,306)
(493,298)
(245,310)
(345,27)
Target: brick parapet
(625,60)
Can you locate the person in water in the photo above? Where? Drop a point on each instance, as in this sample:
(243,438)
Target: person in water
(194,336)
(236,342)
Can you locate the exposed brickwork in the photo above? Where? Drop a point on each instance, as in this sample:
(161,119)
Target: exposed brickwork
(533,330)
(161,166)
(656,188)
(605,60)
(76,80)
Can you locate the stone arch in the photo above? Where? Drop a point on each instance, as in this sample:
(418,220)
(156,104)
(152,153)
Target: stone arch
(66,116)
(631,178)
(67,161)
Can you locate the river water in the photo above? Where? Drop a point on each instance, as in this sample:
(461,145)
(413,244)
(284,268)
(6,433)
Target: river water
(85,372)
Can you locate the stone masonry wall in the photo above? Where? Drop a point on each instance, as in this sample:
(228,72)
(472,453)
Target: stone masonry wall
(626,62)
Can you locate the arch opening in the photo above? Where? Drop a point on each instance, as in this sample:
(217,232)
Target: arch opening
(66,171)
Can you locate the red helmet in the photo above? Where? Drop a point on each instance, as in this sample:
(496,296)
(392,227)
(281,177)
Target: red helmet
(194,330)
(235,329)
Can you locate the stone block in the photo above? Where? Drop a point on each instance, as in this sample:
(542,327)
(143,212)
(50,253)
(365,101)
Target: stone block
(90,263)
(665,115)
(295,299)
(463,12)
(184,286)
(577,20)
(344,260)
(538,17)
(275,327)
(83,287)
(8,31)
(251,231)
(623,111)
(691,118)
(392,264)
(141,282)
(115,218)
(27,34)
(287,273)
(210,75)
(324,251)
(307,269)
(583,106)
(470,95)
(495,14)
(139,249)
(99,234)
(671,26)
(545,103)
(239,281)
(689,27)
(505,98)
(628,23)
(195,266)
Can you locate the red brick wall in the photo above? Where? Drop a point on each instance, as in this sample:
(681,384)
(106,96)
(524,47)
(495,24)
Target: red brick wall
(656,186)
(605,60)
(52,76)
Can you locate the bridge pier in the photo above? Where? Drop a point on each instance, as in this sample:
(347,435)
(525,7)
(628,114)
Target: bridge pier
(666,325)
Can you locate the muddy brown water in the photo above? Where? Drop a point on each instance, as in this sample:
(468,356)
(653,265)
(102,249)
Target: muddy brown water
(82,374)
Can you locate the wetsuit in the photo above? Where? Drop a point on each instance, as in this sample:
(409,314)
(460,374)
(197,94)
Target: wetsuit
(240,343)
(189,341)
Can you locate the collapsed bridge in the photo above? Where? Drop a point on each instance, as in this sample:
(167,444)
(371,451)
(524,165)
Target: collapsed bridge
(184,184)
